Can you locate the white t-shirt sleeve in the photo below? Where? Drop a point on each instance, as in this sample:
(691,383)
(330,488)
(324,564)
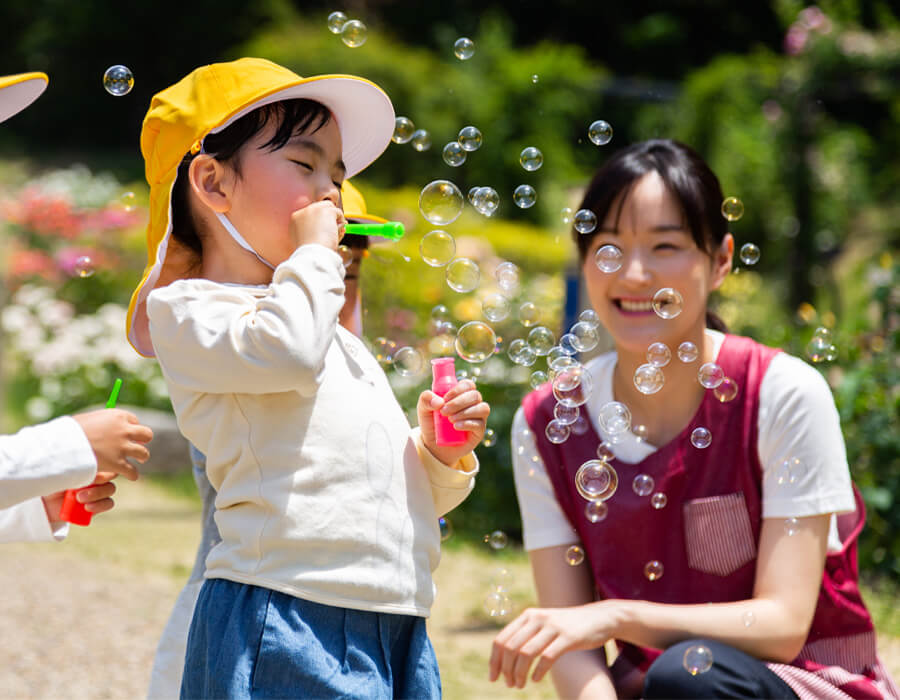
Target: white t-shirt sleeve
(544,524)
(43,459)
(801,448)
(27,522)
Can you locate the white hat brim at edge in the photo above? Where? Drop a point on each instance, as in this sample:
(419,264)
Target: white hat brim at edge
(364,115)
(19,91)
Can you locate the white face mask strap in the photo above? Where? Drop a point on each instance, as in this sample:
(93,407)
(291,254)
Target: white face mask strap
(238,238)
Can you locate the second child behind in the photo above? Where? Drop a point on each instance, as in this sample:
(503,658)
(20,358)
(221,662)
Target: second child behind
(327,501)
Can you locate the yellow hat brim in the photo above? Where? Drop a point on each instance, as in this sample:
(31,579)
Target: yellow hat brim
(19,91)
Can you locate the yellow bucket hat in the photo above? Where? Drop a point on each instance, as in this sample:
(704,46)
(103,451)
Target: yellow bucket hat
(208,100)
(355,206)
(19,91)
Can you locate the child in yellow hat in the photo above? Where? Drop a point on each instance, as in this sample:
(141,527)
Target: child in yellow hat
(327,502)
(168,664)
(40,462)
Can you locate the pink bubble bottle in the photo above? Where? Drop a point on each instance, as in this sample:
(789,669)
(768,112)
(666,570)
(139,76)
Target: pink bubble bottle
(443,374)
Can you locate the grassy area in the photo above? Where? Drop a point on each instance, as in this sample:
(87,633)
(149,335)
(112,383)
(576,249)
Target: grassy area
(162,513)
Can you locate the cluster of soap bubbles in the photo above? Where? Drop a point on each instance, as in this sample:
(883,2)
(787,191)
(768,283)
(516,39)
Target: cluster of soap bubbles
(353,32)
(821,347)
(118,80)
(469,139)
(497,602)
(406,132)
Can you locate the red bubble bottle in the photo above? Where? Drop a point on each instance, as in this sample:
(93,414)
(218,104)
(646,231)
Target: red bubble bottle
(443,373)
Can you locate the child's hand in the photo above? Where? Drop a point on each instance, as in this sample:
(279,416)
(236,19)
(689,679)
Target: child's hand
(97,498)
(320,222)
(465,409)
(115,434)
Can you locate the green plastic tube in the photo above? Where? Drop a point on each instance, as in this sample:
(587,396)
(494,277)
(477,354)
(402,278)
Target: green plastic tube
(392,229)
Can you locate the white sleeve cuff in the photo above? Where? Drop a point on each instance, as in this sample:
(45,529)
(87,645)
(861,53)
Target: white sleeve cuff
(449,485)
(27,522)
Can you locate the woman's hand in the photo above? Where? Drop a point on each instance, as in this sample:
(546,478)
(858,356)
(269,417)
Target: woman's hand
(546,634)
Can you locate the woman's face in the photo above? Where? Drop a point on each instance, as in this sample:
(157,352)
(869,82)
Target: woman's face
(658,251)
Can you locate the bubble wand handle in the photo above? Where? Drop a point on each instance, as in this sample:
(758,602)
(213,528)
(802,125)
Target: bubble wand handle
(443,373)
(392,230)
(72,511)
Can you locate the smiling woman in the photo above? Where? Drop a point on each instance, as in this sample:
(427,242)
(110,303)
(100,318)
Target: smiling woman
(709,571)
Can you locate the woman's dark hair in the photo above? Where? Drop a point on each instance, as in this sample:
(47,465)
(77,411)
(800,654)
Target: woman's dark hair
(291,116)
(687,177)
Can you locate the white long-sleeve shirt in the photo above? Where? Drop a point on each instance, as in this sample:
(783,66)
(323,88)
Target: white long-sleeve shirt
(37,461)
(324,491)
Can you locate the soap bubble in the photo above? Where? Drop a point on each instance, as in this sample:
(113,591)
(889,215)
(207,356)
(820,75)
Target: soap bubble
(659,500)
(710,375)
(600,133)
(118,80)
(490,438)
(585,221)
(605,453)
(421,140)
(749,254)
(524,196)
(486,200)
(688,352)
(128,200)
(614,418)
(408,361)
(584,336)
(580,426)
(574,555)
(475,342)
(336,21)
(590,317)
(791,526)
(497,540)
(566,215)
(608,258)
(507,275)
(538,378)
(566,415)
(560,362)
(495,307)
(701,438)
(596,480)
(501,579)
(531,159)
(667,303)
(726,391)
(820,348)
(497,604)
(84,266)
(440,313)
(463,275)
(464,48)
(541,339)
(437,248)
(403,130)
(521,353)
(790,471)
(732,208)
(643,484)
(640,432)
(697,659)
(658,354)
(440,202)
(595,511)
(470,138)
(446,528)
(748,618)
(653,570)
(557,432)
(383,349)
(354,33)
(453,154)
(529,314)
(558,353)
(569,393)
(648,379)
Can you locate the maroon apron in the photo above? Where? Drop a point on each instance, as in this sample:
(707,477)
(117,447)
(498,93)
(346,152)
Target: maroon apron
(706,537)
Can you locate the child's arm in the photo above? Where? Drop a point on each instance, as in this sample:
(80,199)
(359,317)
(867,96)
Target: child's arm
(451,469)
(65,453)
(216,339)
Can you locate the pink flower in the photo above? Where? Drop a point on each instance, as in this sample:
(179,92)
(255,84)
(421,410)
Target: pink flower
(30,263)
(795,39)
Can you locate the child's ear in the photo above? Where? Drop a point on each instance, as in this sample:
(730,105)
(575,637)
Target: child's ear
(722,258)
(211,182)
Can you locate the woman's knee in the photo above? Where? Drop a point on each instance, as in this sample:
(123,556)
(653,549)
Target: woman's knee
(674,676)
